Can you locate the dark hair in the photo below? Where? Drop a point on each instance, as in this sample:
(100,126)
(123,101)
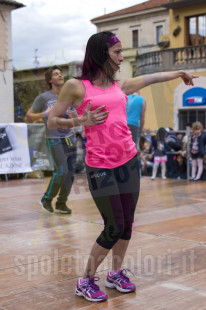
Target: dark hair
(142,141)
(48,74)
(161,134)
(97,59)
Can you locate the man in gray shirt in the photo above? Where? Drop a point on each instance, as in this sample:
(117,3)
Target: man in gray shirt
(60,142)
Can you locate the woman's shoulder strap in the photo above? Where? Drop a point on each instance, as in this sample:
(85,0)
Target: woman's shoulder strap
(86,82)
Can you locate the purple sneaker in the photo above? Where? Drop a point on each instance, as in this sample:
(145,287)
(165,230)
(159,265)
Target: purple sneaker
(89,290)
(119,281)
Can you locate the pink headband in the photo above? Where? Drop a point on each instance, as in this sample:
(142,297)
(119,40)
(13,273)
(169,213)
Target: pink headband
(112,40)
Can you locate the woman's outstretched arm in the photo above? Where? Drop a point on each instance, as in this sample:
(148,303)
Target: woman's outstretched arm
(129,86)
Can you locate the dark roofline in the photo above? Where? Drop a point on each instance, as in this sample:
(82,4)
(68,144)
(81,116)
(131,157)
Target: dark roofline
(15,4)
(132,9)
(183,3)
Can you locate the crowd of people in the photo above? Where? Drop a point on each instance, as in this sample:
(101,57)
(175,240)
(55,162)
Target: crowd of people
(172,151)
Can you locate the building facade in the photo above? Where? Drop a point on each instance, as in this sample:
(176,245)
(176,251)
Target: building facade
(173,104)
(131,26)
(6,68)
(188,38)
(180,31)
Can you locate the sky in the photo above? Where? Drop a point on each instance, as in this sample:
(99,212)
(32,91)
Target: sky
(56,31)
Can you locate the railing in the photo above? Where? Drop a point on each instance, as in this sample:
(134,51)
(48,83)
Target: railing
(189,57)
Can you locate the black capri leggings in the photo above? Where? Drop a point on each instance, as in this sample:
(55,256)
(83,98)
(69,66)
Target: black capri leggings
(115,192)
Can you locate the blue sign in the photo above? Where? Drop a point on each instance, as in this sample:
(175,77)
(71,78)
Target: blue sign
(194,97)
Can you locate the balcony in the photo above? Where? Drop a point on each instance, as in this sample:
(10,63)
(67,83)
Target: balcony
(186,58)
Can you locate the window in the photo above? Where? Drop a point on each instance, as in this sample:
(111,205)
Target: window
(190,116)
(159,32)
(196,30)
(135,38)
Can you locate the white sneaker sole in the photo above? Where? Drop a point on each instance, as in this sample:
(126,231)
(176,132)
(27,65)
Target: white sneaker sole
(45,210)
(61,211)
(120,289)
(80,294)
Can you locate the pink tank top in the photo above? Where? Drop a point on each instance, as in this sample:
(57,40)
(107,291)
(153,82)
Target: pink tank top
(110,144)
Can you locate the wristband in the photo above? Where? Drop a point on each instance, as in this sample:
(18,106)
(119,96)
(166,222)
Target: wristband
(45,114)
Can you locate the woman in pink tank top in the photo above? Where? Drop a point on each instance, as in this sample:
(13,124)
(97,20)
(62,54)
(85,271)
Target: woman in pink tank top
(111,162)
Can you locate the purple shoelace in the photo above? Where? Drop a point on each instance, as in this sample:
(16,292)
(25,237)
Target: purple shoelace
(91,285)
(123,274)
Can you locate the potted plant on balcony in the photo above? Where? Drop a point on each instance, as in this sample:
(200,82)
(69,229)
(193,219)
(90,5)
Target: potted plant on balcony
(164,44)
(164,41)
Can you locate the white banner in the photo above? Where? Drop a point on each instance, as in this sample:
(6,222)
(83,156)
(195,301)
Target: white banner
(14,149)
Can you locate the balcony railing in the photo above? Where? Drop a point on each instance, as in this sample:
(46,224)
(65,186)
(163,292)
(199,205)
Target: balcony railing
(189,57)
